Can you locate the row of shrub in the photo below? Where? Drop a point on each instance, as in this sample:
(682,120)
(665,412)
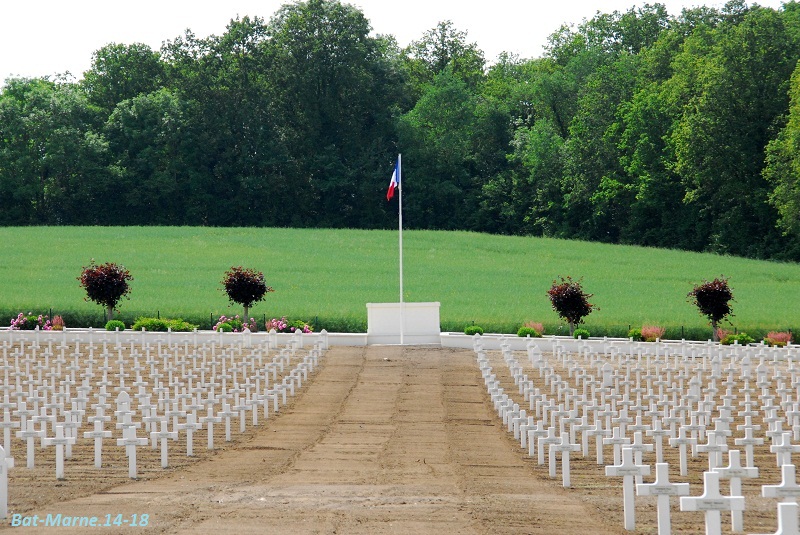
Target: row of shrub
(224,324)
(353,324)
(650,333)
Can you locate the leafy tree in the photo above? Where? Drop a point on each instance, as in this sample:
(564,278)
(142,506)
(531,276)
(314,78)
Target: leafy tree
(598,189)
(437,136)
(445,48)
(120,72)
(245,287)
(106,284)
(734,82)
(332,94)
(713,299)
(570,301)
(149,136)
(53,162)
(782,168)
(229,144)
(528,197)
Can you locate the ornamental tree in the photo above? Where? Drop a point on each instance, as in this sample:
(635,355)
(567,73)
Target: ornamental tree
(713,301)
(245,287)
(106,284)
(570,301)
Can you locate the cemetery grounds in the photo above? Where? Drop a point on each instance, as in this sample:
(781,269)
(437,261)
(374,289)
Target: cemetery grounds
(379,439)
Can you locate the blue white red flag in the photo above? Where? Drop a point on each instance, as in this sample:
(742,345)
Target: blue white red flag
(395,182)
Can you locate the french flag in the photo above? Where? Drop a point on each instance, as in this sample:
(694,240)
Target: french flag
(395,182)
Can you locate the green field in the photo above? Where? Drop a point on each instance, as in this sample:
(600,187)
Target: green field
(327,276)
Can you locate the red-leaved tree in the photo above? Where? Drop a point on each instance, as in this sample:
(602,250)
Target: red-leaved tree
(106,284)
(713,300)
(570,301)
(245,287)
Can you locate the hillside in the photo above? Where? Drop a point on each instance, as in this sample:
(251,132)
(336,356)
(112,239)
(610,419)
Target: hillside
(327,276)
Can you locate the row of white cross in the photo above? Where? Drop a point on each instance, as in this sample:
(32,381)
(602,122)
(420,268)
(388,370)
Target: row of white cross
(610,395)
(51,393)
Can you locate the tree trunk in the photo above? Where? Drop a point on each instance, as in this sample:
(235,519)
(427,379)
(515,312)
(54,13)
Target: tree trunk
(246,318)
(571,328)
(714,334)
(109,314)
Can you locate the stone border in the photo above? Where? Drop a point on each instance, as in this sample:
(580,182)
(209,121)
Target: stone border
(547,343)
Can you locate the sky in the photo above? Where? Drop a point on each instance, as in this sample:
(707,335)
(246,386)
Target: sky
(49,37)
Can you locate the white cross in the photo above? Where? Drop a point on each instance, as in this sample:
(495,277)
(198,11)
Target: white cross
(226,413)
(618,440)
(789,490)
(599,434)
(59,441)
(7,424)
(658,434)
(638,448)
(98,435)
(190,427)
(164,435)
(545,441)
(783,448)
(748,442)
(584,427)
(787,519)
(29,433)
(735,472)
(5,464)
(663,489)
(564,447)
(130,441)
(535,432)
(712,502)
(715,447)
(210,420)
(627,469)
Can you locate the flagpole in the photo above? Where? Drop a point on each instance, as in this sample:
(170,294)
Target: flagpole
(400,200)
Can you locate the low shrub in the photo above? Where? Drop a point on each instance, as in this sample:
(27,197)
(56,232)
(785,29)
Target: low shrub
(150,324)
(636,335)
(113,325)
(236,324)
(742,338)
(29,322)
(777,339)
(162,325)
(285,326)
(223,327)
(57,324)
(581,333)
(651,333)
(473,330)
(177,325)
(528,331)
(536,326)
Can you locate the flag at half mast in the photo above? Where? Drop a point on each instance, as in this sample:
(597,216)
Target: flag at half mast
(395,182)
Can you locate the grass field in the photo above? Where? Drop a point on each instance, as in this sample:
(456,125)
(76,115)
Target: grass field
(327,276)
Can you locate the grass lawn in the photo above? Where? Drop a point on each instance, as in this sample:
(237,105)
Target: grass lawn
(327,276)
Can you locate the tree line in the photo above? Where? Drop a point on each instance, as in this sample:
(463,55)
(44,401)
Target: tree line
(637,127)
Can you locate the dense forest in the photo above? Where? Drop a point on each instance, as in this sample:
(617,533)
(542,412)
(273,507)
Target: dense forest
(638,127)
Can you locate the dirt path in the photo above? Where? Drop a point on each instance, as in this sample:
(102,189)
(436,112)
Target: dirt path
(383,440)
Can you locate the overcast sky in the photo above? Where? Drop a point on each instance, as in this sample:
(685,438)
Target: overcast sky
(46,37)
